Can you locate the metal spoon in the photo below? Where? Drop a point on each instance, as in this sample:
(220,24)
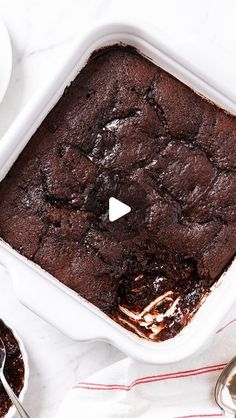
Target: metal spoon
(21,411)
(225,390)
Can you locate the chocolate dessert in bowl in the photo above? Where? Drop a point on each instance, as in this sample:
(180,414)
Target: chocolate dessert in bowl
(125,128)
(16,369)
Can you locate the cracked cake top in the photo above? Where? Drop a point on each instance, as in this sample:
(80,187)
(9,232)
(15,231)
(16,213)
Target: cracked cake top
(127,129)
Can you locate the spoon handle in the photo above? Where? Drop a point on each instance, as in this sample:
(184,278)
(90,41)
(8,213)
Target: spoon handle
(21,411)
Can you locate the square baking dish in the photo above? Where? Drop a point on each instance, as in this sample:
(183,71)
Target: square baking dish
(44,294)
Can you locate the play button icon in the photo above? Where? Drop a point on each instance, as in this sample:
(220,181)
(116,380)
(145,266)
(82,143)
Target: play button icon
(117,209)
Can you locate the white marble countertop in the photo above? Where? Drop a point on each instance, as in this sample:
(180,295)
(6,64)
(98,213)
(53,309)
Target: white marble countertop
(41,31)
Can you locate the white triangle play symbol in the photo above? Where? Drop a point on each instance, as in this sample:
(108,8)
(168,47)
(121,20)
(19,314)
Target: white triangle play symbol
(117,209)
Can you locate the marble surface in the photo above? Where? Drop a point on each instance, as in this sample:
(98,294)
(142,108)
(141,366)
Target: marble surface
(41,32)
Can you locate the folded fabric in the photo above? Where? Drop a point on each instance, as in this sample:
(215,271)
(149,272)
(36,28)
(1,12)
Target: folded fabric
(133,390)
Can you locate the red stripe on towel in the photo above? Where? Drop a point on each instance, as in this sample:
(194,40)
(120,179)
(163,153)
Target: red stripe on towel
(150,379)
(200,416)
(226,325)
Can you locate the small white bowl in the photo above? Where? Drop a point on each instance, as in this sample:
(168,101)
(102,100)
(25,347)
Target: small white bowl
(6,59)
(11,412)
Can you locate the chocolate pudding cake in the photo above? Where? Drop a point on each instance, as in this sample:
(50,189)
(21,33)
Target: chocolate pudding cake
(13,370)
(127,129)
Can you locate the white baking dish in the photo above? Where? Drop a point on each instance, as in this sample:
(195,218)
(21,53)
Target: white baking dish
(47,296)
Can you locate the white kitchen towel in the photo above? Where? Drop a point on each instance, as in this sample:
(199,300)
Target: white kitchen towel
(128,389)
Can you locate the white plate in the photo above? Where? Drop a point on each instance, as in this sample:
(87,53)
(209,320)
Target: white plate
(5,59)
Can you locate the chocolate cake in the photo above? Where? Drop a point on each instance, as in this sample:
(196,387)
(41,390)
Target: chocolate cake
(127,129)
(13,370)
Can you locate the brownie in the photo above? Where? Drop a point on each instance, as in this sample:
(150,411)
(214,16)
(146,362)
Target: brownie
(127,129)
(14,368)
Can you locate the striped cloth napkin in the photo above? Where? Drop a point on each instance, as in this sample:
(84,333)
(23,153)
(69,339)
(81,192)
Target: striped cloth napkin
(128,389)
